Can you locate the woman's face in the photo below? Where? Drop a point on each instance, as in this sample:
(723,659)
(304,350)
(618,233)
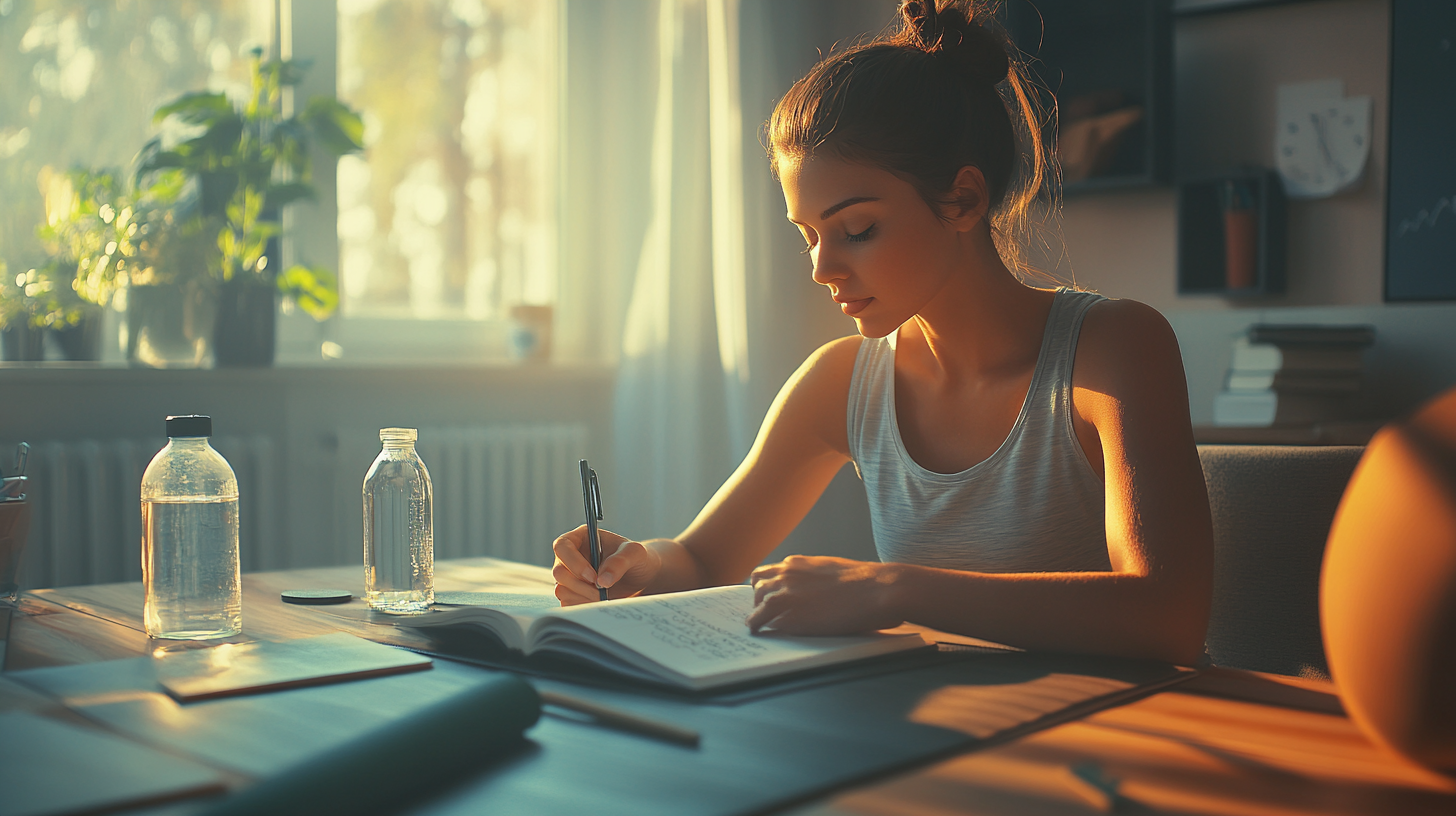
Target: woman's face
(875,243)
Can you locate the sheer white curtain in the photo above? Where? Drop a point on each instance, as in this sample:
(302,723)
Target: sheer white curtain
(673,442)
(695,289)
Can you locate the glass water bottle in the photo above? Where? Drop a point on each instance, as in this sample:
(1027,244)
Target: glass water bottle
(190,537)
(399,529)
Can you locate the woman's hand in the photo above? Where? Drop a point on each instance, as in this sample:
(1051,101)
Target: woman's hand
(816,595)
(626,567)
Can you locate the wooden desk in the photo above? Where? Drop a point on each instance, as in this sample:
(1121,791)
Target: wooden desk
(1182,751)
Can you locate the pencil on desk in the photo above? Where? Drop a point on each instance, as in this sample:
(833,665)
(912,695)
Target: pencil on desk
(617,718)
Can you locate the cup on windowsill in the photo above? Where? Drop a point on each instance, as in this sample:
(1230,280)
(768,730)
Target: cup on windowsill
(530,337)
(14,528)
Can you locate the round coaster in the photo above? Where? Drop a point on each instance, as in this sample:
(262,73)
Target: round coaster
(317,596)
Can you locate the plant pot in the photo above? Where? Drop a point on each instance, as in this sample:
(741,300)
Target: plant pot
(21,342)
(170,325)
(247,313)
(81,341)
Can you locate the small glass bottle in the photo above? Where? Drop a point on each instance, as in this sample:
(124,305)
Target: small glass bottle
(190,538)
(399,528)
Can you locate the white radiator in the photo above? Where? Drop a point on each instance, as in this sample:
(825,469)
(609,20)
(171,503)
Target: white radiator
(86,508)
(500,490)
(503,490)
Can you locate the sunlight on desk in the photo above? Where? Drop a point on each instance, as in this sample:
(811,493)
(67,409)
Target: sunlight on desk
(982,711)
(1171,753)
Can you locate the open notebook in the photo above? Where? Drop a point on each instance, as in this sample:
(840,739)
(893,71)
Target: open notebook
(695,640)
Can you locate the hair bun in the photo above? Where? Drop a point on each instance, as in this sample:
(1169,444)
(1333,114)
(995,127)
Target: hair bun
(951,31)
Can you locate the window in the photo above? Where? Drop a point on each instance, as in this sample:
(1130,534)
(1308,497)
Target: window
(451,211)
(446,224)
(82,78)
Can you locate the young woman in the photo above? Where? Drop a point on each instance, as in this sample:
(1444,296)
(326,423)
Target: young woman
(1027,452)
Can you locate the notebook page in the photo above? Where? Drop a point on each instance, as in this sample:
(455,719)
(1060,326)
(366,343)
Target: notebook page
(703,634)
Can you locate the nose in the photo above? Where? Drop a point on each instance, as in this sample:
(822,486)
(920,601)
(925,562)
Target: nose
(827,268)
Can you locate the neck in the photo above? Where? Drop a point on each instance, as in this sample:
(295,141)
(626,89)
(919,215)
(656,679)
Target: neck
(983,322)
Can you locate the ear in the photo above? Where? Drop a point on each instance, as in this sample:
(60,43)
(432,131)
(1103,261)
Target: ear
(969,199)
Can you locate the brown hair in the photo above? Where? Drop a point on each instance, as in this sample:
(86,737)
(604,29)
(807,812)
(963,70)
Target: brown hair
(947,90)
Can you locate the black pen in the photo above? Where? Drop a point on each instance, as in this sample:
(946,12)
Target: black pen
(591,498)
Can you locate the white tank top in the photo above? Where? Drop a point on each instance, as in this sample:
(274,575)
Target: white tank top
(1035,505)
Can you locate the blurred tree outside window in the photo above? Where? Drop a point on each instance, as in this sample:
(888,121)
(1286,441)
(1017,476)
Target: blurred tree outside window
(81,79)
(451,210)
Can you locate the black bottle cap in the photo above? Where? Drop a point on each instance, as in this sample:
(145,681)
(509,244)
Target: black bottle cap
(190,425)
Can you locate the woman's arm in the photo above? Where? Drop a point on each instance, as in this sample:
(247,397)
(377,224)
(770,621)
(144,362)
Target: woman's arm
(801,445)
(1128,386)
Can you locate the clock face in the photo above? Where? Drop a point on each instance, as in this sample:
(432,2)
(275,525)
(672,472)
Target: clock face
(1321,146)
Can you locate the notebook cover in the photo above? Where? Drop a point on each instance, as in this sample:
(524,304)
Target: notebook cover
(48,767)
(244,668)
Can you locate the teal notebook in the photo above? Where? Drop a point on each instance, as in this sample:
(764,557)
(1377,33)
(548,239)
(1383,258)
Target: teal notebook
(48,767)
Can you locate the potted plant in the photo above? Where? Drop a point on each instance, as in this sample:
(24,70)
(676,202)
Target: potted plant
(50,297)
(20,339)
(236,176)
(92,231)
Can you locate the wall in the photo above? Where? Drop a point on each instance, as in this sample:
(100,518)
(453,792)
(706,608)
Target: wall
(1227,68)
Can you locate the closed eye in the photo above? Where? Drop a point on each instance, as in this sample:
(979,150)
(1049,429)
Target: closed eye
(860,236)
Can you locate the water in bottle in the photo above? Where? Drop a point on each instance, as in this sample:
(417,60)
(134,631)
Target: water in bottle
(399,530)
(190,537)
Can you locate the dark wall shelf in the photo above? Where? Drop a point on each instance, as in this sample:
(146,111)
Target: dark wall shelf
(1194,8)
(1206,235)
(1110,65)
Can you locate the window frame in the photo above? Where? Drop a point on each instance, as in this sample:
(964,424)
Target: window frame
(309,31)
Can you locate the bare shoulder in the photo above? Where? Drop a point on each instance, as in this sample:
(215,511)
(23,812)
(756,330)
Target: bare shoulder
(835,359)
(1126,344)
(814,400)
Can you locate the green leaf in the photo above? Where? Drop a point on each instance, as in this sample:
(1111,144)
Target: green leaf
(216,189)
(144,159)
(242,210)
(278,196)
(198,108)
(288,72)
(338,128)
(221,138)
(227,243)
(160,160)
(315,290)
(166,186)
(290,144)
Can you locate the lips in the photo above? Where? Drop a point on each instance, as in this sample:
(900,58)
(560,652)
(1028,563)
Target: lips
(853,307)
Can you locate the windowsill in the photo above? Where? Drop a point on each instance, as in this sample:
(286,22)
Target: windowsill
(505,372)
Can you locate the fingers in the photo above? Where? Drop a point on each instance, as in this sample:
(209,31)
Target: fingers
(568,550)
(574,576)
(765,572)
(570,583)
(577,582)
(573,595)
(629,554)
(763,587)
(768,610)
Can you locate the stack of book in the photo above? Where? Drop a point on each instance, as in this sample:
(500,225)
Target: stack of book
(1293,375)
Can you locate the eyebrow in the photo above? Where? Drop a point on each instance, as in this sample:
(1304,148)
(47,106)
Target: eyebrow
(848,202)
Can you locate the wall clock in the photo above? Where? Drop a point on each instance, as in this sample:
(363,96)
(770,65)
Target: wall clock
(1322,138)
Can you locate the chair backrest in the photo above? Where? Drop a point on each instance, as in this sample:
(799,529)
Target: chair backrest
(1272,507)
